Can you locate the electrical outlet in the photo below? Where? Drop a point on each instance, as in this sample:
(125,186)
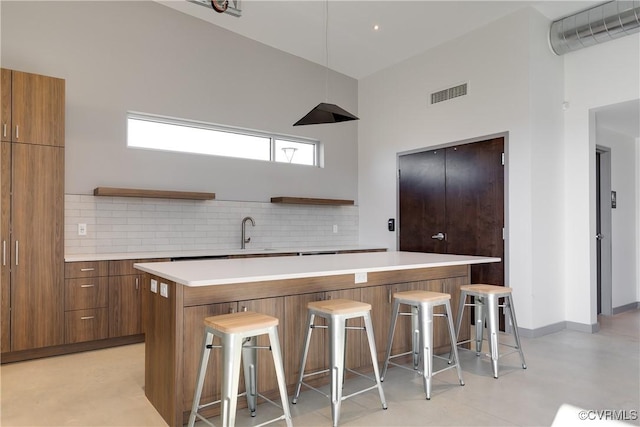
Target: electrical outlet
(154,286)
(335,228)
(164,290)
(82,229)
(361,277)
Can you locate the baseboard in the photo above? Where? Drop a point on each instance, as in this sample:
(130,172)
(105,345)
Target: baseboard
(557,327)
(626,307)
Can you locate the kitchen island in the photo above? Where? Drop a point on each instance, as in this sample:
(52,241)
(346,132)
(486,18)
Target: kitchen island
(177,296)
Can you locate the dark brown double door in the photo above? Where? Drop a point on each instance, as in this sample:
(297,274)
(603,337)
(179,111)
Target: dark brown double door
(452,202)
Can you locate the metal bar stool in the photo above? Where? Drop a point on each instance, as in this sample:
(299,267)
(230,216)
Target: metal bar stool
(486,303)
(422,304)
(337,312)
(238,332)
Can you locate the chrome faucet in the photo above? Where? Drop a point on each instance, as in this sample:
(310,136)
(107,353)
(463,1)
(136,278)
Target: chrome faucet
(244,230)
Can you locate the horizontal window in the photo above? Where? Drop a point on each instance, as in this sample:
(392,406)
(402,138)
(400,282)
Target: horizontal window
(185,136)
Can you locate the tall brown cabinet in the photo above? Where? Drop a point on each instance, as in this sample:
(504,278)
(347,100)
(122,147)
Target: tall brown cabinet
(32,210)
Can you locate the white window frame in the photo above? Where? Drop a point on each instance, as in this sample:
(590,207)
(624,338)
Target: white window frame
(272,137)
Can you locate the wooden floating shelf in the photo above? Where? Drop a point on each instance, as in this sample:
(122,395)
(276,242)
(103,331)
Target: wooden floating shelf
(310,201)
(158,194)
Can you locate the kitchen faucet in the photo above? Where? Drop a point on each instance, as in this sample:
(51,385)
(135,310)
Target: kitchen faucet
(244,228)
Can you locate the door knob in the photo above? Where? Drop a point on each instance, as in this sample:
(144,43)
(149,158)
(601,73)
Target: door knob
(439,236)
(599,236)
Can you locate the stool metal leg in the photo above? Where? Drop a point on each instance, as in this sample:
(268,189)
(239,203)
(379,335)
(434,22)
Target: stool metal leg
(337,332)
(492,308)
(425,317)
(232,352)
(303,359)
(512,314)
(480,314)
(415,337)
(277,361)
(454,347)
(461,305)
(392,328)
(374,358)
(249,363)
(207,341)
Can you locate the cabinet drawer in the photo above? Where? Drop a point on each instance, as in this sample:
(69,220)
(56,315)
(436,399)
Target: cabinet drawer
(91,292)
(86,325)
(85,269)
(125,267)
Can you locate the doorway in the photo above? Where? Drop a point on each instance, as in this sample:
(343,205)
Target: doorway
(604,204)
(451,201)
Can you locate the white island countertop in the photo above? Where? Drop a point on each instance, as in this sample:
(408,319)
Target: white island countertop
(245,270)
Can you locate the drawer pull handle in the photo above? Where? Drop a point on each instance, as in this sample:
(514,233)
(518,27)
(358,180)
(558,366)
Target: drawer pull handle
(4,129)
(17,252)
(4,252)
(17,132)
(87,286)
(87,269)
(87,317)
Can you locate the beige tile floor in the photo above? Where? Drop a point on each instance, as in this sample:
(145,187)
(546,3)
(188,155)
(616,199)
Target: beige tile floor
(592,371)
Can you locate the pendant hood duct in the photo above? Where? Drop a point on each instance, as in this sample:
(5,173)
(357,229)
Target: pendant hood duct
(595,25)
(325,113)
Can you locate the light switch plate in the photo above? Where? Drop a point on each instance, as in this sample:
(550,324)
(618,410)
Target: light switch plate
(361,277)
(164,290)
(154,286)
(82,229)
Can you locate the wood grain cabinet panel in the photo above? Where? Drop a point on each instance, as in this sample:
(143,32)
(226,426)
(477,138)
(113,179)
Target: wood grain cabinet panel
(125,310)
(37,109)
(5,104)
(37,221)
(5,265)
(86,293)
(86,269)
(86,325)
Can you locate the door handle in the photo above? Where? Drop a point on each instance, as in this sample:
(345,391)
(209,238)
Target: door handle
(17,252)
(599,236)
(439,236)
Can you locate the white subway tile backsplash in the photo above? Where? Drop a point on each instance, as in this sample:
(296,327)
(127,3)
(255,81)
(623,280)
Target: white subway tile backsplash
(120,224)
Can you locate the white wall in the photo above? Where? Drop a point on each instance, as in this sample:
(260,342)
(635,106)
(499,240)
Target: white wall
(142,56)
(597,76)
(624,227)
(515,86)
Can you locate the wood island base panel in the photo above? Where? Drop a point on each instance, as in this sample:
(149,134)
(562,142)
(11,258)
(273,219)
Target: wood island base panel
(176,299)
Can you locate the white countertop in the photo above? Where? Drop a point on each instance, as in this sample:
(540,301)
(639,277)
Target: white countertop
(211,253)
(244,270)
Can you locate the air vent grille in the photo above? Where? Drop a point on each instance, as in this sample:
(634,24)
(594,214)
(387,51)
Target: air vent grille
(450,93)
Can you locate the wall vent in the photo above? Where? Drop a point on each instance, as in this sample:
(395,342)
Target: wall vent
(449,93)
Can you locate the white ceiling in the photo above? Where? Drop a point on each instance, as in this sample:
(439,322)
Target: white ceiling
(407,28)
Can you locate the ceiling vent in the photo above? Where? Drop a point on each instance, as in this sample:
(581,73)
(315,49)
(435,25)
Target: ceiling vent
(449,93)
(598,24)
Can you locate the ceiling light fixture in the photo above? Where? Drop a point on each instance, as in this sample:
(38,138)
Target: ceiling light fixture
(325,112)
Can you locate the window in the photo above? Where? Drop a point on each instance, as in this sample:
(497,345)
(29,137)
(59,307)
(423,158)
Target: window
(185,136)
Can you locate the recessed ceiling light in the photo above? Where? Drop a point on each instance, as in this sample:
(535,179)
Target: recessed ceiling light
(376,27)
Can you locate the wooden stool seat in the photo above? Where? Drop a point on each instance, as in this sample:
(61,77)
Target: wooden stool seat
(485,289)
(240,322)
(422,305)
(421,296)
(339,306)
(486,303)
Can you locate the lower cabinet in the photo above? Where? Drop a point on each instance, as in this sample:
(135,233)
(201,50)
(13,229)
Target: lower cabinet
(102,300)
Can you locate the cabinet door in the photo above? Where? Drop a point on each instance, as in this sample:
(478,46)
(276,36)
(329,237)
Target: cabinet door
(5,274)
(37,109)
(295,313)
(125,303)
(266,378)
(380,299)
(193,333)
(37,260)
(5,104)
